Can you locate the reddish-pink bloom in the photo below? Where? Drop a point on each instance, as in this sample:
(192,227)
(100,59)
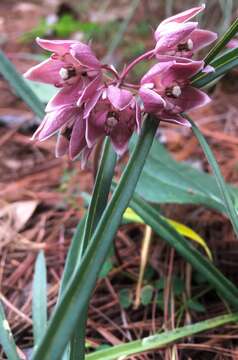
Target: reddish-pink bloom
(177,36)
(166,91)
(117,115)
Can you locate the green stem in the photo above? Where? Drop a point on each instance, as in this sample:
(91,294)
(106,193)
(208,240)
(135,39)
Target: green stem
(75,297)
(97,205)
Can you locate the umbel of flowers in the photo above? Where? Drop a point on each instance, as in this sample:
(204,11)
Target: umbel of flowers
(95,101)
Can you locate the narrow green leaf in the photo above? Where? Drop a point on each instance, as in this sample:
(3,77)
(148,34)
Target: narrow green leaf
(224,287)
(39,299)
(221,64)
(76,295)
(160,340)
(6,337)
(222,42)
(97,205)
(231,211)
(8,71)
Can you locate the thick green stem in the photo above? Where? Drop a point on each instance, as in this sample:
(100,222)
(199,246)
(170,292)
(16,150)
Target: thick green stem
(75,297)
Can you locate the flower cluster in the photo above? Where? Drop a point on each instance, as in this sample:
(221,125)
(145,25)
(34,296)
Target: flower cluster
(95,101)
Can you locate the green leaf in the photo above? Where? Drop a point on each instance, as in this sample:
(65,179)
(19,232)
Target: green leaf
(125,298)
(146,294)
(76,296)
(39,299)
(165,180)
(8,71)
(6,337)
(178,285)
(106,268)
(221,64)
(195,305)
(225,193)
(160,340)
(222,42)
(224,287)
(44,92)
(83,234)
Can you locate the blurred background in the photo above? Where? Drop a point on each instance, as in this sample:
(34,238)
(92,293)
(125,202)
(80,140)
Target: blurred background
(42,198)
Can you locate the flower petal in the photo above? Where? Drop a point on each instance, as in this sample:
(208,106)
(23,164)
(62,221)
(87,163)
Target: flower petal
(84,54)
(91,103)
(62,145)
(181,71)
(67,96)
(138,117)
(55,120)
(202,38)
(174,118)
(77,139)
(185,15)
(119,98)
(172,35)
(95,127)
(89,90)
(232,44)
(46,72)
(60,47)
(191,98)
(156,70)
(152,101)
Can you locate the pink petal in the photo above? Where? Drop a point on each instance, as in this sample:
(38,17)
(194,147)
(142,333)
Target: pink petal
(172,35)
(181,71)
(89,90)
(120,135)
(191,98)
(77,139)
(202,38)
(60,47)
(152,101)
(85,155)
(84,54)
(119,98)
(95,127)
(174,118)
(55,120)
(62,145)
(232,44)
(46,72)
(138,117)
(91,103)
(67,96)
(184,16)
(157,69)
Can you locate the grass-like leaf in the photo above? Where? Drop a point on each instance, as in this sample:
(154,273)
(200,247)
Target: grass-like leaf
(231,211)
(6,337)
(152,217)
(39,299)
(158,341)
(8,71)
(222,42)
(78,291)
(221,64)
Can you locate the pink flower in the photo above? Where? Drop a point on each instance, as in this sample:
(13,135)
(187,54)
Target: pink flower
(232,44)
(165,90)
(177,36)
(116,114)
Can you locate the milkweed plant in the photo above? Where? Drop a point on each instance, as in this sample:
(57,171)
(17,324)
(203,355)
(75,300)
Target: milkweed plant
(97,102)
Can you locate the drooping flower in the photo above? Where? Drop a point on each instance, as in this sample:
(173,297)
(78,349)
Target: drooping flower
(116,115)
(166,91)
(177,36)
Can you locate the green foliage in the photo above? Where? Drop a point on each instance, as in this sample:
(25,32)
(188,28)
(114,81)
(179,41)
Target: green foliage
(6,337)
(125,298)
(146,294)
(62,28)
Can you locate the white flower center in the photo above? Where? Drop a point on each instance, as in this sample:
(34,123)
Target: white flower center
(64,74)
(176,91)
(190,44)
(111,121)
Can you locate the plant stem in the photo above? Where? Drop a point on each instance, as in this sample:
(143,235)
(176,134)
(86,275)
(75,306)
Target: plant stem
(143,57)
(70,310)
